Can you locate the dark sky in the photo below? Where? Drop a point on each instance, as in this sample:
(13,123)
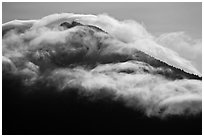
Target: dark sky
(157,17)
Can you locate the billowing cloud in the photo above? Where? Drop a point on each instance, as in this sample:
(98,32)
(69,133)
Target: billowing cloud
(121,64)
(186,46)
(135,35)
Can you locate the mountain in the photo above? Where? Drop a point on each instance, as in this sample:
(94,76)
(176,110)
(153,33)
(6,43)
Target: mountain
(75,78)
(137,55)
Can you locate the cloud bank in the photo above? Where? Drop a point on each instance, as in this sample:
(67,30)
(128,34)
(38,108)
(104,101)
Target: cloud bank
(101,64)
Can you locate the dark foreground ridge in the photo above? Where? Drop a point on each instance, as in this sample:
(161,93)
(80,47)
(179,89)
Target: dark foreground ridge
(42,110)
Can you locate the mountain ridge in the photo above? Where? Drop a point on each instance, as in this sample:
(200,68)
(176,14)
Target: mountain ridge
(142,56)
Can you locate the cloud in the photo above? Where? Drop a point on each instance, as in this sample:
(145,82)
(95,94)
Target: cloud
(186,46)
(130,32)
(17,25)
(135,35)
(99,64)
(153,94)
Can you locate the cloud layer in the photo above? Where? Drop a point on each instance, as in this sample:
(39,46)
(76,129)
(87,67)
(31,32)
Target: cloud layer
(99,63)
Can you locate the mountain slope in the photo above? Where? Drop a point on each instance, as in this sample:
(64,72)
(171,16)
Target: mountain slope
(74,78)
